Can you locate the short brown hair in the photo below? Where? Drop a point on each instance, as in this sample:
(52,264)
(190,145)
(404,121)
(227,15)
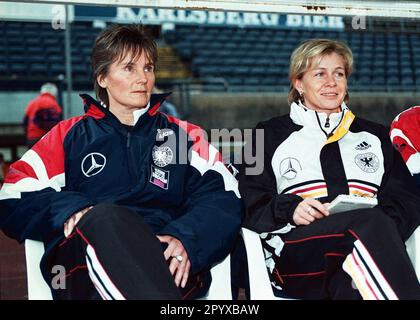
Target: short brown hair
(115,43)
(302,58)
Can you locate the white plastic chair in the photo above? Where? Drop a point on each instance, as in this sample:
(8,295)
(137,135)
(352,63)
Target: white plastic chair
(259,281)
(413,250)
(38,289)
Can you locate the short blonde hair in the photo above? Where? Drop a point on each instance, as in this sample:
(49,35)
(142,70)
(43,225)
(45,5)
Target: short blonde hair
(303,56)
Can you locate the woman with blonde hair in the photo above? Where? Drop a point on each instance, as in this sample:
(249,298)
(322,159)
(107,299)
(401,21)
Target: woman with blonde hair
(319,151)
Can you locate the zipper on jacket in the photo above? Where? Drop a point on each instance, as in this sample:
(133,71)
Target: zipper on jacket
(132,160)
(130,157)
(327,124)
(128,139)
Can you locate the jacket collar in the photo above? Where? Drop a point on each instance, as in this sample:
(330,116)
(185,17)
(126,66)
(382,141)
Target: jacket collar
(98,110)
(339,122)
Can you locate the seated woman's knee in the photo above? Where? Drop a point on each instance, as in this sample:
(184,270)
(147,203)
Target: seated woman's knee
(375,218)
(103,213)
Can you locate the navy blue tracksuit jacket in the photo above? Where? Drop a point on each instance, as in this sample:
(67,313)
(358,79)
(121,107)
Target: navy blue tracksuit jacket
(162,168)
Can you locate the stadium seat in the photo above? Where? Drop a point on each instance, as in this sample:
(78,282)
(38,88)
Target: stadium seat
(235,81)
(241,71)
(269,81)
(407,80)
(34,50)
(252,81)
(220,288)
(18,69)
(378,80)
(363,80)
(57,68)
(3,68)
(36,42)
(393,80)
(39,69)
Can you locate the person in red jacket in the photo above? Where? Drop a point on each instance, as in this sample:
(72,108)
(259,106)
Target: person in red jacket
(4,167)
(41,114)
(405,136)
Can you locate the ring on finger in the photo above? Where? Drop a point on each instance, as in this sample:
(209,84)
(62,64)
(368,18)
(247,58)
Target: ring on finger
(179,258)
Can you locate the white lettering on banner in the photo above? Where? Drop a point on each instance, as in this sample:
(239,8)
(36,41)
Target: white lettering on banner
(293,20)
(269,19)
(181,15)
(148,15)
(251,19)
(307,21)
(336,22)
(198,16)
(126,14)
(319,22)
(216,17)
(234,18)
(167,15)
(157,16)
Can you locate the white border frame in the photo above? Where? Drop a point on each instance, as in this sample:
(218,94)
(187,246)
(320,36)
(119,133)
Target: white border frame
(381,8)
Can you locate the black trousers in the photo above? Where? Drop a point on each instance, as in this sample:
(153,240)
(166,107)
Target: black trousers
(346,256)
(113,254)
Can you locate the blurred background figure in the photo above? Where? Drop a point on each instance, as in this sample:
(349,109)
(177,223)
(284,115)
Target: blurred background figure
(167,107)
(42,114)
(3,168)
(405,136)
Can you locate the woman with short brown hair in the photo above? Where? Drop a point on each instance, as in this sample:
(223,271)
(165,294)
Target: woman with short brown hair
(133,203)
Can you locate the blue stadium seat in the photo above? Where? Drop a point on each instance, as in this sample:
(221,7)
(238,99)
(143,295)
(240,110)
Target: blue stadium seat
(17,49)
(18,69)
(269,80)
(407,80)
(392,71)
(4,68)
(205,71)
(363,80)
(393,81)
(235,81)
(252,81)
(257,71)
(56,59)
(79,70)
(241,70)
(378,80)
(406,72)
(54,49)
(57,68)
(283,81)
(39,69)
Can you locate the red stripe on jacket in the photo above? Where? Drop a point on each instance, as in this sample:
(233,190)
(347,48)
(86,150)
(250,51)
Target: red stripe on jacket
(51,151)
(200,144)
(93,111)
(19,170)
(50,148)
